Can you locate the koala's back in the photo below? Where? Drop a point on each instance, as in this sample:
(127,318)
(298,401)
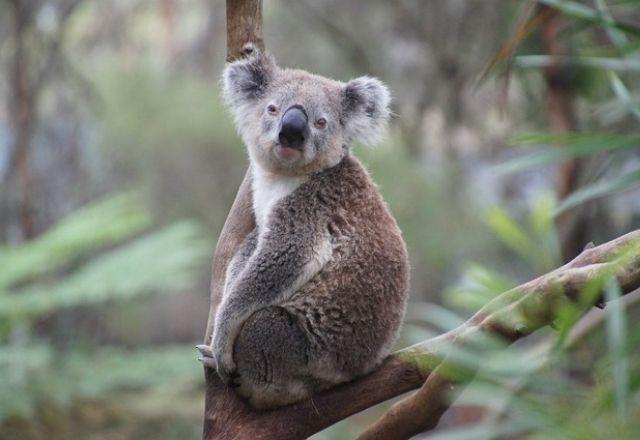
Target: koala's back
(351,311)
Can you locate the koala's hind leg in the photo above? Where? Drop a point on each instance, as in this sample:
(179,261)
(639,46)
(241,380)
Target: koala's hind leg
(271,358)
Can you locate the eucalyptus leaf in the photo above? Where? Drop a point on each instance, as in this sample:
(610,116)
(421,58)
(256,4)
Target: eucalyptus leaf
(600,189)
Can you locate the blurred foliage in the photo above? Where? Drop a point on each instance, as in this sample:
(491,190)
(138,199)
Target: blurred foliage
(424,202)
(96,311)
(105,252)
(580,382)
(606,76)
(87,230)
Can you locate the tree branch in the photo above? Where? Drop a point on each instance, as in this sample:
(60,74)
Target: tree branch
(512,315)
(244,26)
(239,223)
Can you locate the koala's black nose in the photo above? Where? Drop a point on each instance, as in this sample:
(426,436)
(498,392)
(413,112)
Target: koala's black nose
(294,127)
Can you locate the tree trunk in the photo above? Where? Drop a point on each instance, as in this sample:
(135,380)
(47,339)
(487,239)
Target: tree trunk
(571,224)
(244,26)
(22,117)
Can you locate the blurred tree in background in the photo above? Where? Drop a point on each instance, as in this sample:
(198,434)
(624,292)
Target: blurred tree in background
(118,164)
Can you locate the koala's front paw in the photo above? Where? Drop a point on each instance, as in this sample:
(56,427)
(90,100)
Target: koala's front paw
(222,363)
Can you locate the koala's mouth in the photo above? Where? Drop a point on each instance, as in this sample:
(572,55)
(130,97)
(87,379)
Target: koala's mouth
(287,154)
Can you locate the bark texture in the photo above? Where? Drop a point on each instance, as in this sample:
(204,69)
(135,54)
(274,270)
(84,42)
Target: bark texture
(244,27)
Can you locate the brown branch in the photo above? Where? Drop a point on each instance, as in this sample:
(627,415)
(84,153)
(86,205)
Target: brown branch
(232,418)
(543,351)
(239,223)
(244,26)
(512,315)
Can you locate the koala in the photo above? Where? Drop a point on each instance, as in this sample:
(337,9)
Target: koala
(316,294)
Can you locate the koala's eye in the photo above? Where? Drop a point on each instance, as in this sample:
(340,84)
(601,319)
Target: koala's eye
(321,123)
(272,109)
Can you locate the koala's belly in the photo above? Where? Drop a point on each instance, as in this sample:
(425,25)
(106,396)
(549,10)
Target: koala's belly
(351,312)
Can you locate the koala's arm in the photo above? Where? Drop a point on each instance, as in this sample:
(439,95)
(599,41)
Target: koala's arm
(279,266)
(240,259)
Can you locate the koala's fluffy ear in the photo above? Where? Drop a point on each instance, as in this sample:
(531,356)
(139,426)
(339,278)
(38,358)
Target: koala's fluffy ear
(365,110)
(246,80)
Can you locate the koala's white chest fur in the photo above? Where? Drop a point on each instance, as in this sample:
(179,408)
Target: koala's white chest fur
(268,188)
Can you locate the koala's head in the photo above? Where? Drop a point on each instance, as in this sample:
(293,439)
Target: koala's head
(294,122)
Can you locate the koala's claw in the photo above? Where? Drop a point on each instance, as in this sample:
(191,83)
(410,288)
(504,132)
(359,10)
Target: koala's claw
(206,356)
(205,350)
(229,377)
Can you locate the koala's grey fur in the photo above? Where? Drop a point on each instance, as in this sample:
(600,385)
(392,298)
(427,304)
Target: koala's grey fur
(316,294)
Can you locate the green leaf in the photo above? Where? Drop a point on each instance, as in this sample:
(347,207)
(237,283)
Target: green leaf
(567,138)
(542,224)
(440,317)
(584,13)
(102,223)
(162,261)
(623,95)
(600,189)
(568,145)
(605,63)
(478,286)
(510,233)
(618,37)
(101,373)
(616,337)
